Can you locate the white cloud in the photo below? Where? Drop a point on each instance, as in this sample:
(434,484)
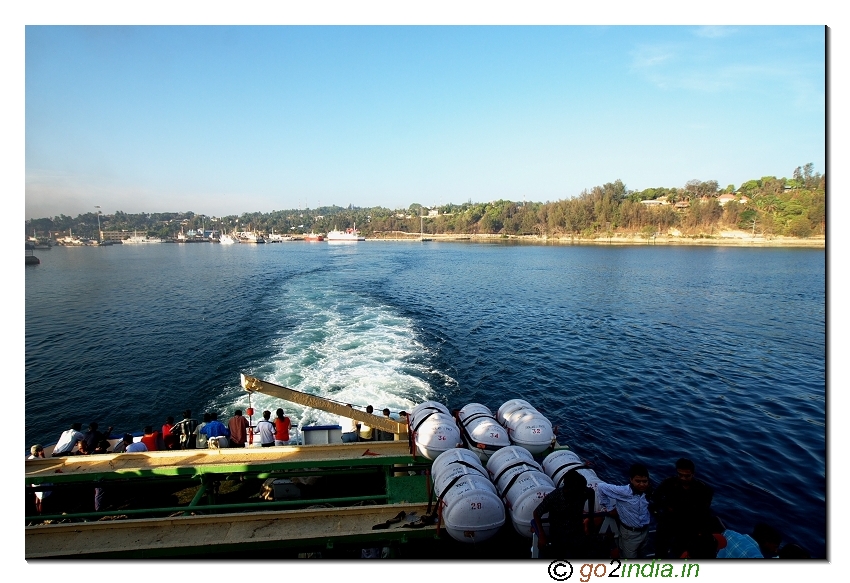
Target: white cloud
(714,31)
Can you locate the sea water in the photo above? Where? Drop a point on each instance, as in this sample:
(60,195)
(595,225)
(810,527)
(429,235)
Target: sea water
(642,353)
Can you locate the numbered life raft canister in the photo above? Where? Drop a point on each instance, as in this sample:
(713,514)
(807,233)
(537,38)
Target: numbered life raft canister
(531,430)
(523,495)
(436,434)
(471,511)
(481,432)
(558,463)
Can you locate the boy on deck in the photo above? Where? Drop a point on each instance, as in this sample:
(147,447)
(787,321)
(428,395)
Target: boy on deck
(631,506)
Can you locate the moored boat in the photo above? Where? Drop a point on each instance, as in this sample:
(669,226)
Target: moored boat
(277,237)
(348,235)
(137,239)
(249,237)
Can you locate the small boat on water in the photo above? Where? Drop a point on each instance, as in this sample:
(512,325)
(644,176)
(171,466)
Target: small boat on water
(137,239)
(313,237)
(277,237)
(347,235)
(249,237)
(228,239)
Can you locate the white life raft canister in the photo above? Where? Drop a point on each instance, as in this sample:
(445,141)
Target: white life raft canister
(505,456)
(527,427)
(427,406)
(455,473)
(507,466)
(522,495)
(454,456)
(435,434)
(471,510)
(558,463)
(480,430)
(509,407)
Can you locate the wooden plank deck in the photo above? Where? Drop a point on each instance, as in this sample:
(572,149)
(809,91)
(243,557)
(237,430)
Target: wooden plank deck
(196,535)
(200,461)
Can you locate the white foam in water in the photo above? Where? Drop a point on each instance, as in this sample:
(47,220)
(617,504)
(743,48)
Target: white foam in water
(345,351)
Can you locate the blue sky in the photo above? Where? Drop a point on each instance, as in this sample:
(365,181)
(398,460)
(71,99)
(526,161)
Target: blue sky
(224,120)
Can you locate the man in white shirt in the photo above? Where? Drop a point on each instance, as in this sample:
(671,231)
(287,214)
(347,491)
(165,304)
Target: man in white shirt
(68,440)
(266,430)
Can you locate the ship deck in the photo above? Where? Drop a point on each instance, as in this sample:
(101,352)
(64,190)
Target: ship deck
(208,502)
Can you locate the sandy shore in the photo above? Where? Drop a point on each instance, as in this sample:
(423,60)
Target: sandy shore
(724,238)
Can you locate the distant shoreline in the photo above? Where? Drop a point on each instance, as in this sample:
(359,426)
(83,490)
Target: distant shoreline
(725,239)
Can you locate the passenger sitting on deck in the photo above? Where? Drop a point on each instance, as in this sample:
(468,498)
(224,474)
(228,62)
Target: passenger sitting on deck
(739,546)
(131,446)
(152,439)
(200,437)
(281,428)
(349,428)
(169,438)
(266,430)
(215,428)
(93,437)
(185,430)
(102,446)
(384,435)
(366,433)
(68,440)
(238,427)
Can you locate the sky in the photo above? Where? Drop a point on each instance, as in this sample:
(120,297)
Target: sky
(222,120)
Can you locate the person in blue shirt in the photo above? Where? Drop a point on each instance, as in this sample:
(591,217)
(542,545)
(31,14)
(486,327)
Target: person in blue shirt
(215,428)
(631,506)
(738,546)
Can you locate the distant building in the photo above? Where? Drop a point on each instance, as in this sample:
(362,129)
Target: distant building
(114,235)
(724,198)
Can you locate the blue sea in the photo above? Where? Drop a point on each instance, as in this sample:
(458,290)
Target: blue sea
(642,353)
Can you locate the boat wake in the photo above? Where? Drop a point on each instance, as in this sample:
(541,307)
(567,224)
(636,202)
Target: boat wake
(344,347)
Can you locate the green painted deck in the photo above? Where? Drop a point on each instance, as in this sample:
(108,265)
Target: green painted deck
(208,502)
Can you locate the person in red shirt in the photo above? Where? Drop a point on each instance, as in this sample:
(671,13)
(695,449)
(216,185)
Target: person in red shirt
(152,439)
(281,428)
(172,441)
(238,427)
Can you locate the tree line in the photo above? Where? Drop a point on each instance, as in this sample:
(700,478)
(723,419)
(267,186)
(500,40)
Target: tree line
(768,206)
